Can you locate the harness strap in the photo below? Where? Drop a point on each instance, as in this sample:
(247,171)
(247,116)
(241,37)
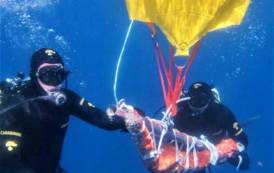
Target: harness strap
(171,89)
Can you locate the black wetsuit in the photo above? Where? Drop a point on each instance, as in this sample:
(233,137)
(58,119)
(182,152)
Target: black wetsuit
(32,133)
(216,123)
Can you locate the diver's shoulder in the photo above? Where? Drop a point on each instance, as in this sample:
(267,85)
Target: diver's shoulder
(223,109)
(29,89)
(70,93)
(218,108)
(67,90)
(219,105)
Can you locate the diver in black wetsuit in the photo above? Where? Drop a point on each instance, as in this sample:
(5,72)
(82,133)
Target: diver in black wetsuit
(34,116)
(205,115)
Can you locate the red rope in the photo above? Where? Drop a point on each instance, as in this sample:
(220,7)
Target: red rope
(173,89)
(192,57)
(161,76)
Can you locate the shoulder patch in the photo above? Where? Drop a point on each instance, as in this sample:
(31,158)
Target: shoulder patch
(91,105)
(197,85)
(236,126)
(82,102)
(50,52)
(239,132)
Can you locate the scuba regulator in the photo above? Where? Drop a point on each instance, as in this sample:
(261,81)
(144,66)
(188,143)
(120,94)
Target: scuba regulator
(58,97)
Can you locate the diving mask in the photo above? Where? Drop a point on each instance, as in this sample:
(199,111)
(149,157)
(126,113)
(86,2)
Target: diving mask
(52,74)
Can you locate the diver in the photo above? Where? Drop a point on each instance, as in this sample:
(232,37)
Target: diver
(204,115)
(34,116)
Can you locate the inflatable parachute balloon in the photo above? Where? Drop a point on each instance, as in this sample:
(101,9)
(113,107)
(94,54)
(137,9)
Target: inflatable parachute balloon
(185,22)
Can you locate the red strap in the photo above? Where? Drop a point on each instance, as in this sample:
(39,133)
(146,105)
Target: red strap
(192,57)
(180,81)
(171,89)
(161,75)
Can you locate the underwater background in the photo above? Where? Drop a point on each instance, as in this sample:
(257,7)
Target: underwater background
(89,35)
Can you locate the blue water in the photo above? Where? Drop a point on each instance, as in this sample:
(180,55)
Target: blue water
(89,34)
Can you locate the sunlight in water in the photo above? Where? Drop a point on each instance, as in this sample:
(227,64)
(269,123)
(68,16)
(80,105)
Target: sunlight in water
(24,29)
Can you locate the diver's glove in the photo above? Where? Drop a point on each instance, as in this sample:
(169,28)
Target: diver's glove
(240,160)
(132,117)
(112,109)
(122,109)
(115,117)
(116,110)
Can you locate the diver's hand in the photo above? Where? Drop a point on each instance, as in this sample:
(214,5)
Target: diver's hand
(241,147)
(121,109)
(116,117)
(132,118)
(111,110)
(241,161)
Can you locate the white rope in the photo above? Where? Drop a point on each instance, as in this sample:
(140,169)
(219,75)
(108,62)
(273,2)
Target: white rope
(176,146)
(214,156)
(163,133)
(120,59)
(183,99)
(164,123)
(190,147)
(187,154)
(180,148)
(153,134)
(166,114)
(195,157)
(240,162)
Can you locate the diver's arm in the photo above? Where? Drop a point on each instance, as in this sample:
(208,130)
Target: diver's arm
(233,127)
(86,111)
(236,132)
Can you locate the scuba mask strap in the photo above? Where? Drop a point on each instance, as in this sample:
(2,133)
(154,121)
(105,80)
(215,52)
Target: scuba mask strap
(216,95)
(66,80)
